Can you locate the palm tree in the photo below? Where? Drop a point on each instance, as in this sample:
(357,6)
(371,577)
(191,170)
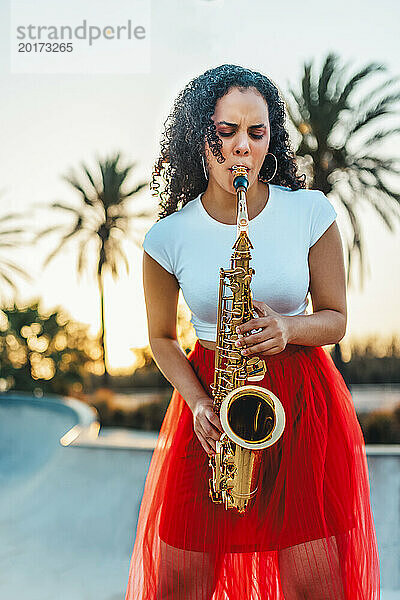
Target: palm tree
(329,126)
(10,237)
(102,218)
(340,149)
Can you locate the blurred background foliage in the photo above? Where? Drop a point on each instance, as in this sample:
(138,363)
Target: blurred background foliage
(339,148)
(46,353)
(50,353)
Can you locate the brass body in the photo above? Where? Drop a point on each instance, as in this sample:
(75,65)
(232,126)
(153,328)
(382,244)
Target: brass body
(252,417)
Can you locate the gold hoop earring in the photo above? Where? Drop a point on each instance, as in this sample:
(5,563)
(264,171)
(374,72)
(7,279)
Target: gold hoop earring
(204,168)
(274,173)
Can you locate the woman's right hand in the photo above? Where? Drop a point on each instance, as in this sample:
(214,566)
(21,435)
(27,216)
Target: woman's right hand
(206,424)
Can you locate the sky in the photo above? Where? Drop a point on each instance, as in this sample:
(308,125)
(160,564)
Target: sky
(52,123)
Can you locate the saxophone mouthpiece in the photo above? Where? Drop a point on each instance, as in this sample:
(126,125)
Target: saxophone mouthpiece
(240,178)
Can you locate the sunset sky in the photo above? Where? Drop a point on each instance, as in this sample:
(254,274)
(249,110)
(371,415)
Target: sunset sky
(51,123)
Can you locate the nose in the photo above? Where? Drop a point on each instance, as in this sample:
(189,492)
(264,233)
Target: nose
(242,147)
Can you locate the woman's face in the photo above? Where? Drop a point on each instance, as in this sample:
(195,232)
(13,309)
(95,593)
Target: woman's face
(241,120)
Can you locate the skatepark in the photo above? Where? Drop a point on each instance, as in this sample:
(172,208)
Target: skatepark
(70,494)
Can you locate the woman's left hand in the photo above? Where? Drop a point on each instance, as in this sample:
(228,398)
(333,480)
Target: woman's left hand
(273,337)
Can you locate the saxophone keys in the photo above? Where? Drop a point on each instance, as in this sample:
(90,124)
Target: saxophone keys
(253,360)
(256,369)
(229,460)
(216,497)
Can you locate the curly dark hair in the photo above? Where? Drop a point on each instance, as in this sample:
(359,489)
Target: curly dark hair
(178,175)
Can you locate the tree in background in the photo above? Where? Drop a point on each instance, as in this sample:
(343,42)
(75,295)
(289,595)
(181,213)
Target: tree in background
(102,221)
(46,352)
(339,149)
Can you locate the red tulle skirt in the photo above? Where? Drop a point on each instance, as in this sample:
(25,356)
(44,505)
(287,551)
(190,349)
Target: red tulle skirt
(309,533)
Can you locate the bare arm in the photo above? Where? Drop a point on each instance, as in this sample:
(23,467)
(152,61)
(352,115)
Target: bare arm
(161,291)
(327,324)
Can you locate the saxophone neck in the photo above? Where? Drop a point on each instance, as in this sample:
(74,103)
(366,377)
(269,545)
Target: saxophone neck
(242,246)
(242,214)
(240,183)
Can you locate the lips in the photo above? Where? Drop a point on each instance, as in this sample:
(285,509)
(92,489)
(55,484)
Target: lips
(247,168)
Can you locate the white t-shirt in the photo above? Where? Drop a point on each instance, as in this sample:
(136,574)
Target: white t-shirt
(193,246)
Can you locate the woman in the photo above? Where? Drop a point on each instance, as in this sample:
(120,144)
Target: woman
(309,532)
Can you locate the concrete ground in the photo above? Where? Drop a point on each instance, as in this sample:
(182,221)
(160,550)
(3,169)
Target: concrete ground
(69,502)
(67,514)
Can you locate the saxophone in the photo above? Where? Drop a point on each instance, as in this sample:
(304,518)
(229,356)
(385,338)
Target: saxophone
(252,417)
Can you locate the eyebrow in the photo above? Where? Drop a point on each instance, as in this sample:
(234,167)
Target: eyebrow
(235,125)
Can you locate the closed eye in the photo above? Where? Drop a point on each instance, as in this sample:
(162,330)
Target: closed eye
(253,135)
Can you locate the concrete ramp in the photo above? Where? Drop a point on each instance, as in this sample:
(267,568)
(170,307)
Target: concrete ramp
(67,513)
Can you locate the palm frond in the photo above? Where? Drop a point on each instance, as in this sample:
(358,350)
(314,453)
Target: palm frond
(71,179)
(305,115)
(91,180)
(82,254)
(77,228)
(141,215)
(9,281)
(355,81)
(122,255)
(381,210)
(308,90)
(10,216)
(381,135)
(362,187)
(390,194)
(46,231)
(391,165)
(135,190)
(11,232)
(374,170)
(295,118)
(10,244)
(328,71)
(59,205)
(383,87)
(13,267)
(381,108)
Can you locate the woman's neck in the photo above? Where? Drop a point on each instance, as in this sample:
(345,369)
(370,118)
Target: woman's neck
(222,205)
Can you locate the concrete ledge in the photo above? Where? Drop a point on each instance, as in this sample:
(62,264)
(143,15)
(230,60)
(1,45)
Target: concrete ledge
(383,449)
(118,438)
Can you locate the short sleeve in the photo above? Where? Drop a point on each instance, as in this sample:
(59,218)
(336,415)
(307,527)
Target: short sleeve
(322,216)
(158,244)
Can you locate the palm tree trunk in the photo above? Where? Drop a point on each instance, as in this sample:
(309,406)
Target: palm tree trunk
(106,376)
